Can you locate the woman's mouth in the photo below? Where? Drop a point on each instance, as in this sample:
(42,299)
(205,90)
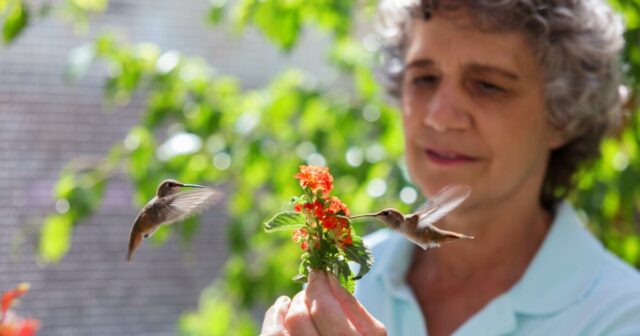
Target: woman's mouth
(446,157)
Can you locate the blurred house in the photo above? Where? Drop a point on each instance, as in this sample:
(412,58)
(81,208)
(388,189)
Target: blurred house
(45,122)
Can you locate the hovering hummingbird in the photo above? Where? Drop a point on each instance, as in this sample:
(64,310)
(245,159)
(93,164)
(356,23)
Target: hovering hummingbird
(169,206)
(418,227)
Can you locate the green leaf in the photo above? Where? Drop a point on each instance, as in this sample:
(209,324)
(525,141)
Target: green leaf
(91,5)
(217,314)
(65,186)
(365,82)
(278,22)
(55,237)
(287,220)
(141,146)
(347,281)
(16,20)
(631,249)
(359,253)
(216,10)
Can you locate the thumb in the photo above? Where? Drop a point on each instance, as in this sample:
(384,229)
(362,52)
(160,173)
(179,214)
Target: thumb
(363,321)
(273,323)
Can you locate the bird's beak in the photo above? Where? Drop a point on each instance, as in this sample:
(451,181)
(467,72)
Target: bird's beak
(192,185)
(364,215)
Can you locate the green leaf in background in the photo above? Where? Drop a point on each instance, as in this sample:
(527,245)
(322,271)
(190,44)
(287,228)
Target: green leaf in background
(631,250)
(90,5)
(286,32)
(55,238)
(288,220)
(630,10)
(282,22)
(216,10)
(79,12)
(16,18)
(216,316)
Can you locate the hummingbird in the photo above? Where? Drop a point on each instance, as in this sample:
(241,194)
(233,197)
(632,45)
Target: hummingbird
(170,205)
(418,227)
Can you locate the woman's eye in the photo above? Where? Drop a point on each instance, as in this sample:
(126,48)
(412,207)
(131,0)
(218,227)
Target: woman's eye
(424,80)
(488,87)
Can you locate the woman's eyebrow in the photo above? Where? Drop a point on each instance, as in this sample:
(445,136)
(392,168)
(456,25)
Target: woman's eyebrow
(484,68)
(420,63)
(475,67)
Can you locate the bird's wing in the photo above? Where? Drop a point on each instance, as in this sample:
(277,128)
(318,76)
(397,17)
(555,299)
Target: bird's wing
(441,204)
(176,207)
(135,237)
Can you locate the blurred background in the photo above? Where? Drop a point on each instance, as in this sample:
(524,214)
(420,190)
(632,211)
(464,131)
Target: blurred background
(100,100)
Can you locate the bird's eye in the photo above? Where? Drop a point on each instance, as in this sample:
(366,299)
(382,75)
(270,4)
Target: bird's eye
(146,235)
(386,212)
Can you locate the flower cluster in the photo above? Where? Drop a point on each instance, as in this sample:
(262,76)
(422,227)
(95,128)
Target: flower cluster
(321,226)
(315,178)
(330,214)
(11,324)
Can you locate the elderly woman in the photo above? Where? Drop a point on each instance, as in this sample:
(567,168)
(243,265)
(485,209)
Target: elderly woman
(508,97)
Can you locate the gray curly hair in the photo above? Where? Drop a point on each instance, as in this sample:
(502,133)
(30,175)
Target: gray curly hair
(577,43)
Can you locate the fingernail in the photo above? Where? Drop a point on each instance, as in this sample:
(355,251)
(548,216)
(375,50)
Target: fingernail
(283,300)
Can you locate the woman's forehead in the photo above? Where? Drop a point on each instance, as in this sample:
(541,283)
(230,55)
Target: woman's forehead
(443,40)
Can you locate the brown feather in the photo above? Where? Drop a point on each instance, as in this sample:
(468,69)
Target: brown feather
(134,240)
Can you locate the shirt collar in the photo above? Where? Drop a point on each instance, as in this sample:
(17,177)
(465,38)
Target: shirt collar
(392,264)
(561,273)
(564,268)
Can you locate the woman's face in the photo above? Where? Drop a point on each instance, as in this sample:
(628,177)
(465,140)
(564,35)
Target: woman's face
(473,111)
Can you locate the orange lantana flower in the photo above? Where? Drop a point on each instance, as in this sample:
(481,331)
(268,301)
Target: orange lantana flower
(336,206)
(11,324)
(316,178)
(8,297)
(322,229)
(330,214)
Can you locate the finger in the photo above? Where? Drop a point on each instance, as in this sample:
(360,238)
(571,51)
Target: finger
(325,311)
(362,320)
(298,321)
(273,323)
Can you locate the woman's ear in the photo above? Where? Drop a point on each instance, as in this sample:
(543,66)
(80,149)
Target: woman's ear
(557,137)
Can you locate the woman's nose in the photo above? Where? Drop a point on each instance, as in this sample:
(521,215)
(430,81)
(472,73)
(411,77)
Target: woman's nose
(446,110)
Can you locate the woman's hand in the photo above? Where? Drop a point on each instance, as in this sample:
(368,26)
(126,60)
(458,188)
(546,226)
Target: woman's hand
(323,308)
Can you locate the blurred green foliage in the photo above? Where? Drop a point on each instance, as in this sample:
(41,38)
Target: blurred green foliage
(15,15)
(235,134)
(609,190)
(217,315)
(290,16)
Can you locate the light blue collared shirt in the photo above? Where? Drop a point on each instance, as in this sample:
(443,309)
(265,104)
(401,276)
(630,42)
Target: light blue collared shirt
(573,286)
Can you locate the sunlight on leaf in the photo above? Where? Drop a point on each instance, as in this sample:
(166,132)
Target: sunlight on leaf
(55,238)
